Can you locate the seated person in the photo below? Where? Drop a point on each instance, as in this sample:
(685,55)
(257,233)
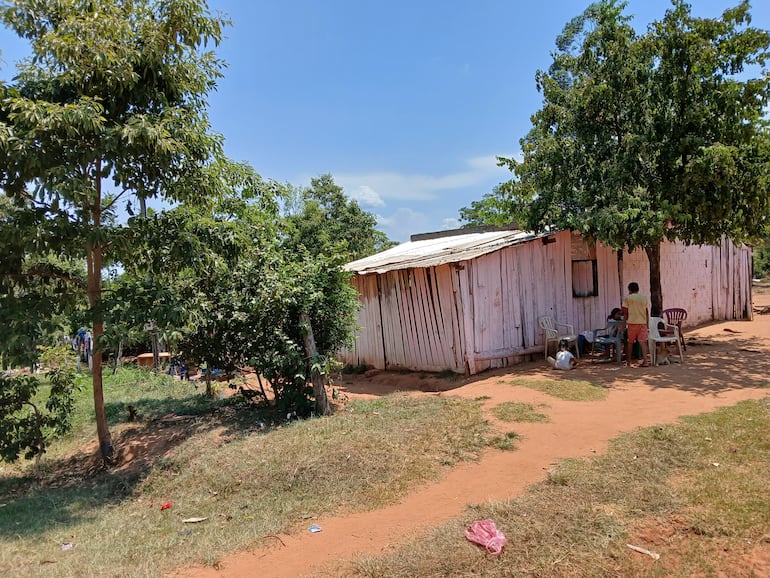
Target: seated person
(564,358)
(615,315)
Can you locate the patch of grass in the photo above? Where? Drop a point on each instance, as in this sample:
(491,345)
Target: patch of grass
(505,442)
(448,374)
(512,411)
(658,488)
(567,389)
(359,369)
(248,484)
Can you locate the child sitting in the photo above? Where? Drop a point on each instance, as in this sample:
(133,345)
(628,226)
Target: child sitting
(564,358)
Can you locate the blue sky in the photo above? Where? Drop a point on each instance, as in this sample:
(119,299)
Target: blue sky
(405,103)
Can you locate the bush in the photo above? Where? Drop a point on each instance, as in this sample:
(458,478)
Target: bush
(762,260)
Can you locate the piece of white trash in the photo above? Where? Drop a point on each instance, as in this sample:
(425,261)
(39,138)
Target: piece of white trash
(653,555)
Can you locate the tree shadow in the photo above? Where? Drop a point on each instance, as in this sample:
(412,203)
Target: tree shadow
(75,487)
(712,366)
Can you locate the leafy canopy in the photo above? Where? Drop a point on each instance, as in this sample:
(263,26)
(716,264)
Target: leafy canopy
(322,220)
(113,96)
(647,137)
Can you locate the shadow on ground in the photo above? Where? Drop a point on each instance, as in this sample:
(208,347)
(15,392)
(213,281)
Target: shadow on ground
(75,487)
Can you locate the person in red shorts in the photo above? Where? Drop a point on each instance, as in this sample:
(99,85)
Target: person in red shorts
(636,312)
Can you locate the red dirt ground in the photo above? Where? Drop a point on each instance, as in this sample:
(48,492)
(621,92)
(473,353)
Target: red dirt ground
(724,363)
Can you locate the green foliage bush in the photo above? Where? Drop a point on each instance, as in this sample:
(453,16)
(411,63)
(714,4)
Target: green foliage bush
(28,419)
(762,260)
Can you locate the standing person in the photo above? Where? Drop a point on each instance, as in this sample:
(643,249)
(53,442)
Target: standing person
(636,312)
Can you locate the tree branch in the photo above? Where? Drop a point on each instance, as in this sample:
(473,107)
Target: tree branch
(35,273)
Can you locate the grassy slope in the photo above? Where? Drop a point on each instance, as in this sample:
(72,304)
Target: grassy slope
(247,482)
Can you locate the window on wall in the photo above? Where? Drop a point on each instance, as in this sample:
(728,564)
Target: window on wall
(585,274)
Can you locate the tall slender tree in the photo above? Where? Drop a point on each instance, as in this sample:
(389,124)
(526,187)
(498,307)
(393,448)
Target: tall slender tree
(110,107)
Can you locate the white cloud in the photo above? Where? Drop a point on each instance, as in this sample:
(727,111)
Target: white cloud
(366,196)
(385,186)
(450,223)
(400,225)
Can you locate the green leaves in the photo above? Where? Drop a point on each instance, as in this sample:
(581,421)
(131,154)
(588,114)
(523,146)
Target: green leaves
(323,221)
(113,91)
(645,137)
(28,419)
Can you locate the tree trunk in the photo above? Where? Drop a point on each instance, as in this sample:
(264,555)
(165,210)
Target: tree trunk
(209,389)
(621,287)
(322,406)
(155,351)
(262,387)
(656,293)
(94,262)
(118,358)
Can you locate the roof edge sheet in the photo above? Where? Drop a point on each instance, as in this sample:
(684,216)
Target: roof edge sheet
(440,251)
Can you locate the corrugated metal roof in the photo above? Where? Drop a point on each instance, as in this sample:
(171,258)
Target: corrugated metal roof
(432,252)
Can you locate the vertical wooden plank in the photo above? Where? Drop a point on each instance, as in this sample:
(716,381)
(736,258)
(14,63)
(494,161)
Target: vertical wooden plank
(516,329)
(442,329)
(465,313)
(391,315)
(417,314)
(407,354)
(447,286)
(420,341)
(375,345)
(429,319)
(412,312)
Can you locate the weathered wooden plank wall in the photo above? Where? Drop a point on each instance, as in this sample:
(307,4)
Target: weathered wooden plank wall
(483,313)
(408,319)
(713,282)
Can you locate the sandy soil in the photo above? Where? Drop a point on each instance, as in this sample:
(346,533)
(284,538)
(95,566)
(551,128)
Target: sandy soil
(724,363)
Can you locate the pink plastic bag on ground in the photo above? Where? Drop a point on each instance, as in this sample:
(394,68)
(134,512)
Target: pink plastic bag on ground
(485,533)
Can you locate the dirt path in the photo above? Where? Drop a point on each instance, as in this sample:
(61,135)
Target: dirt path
(724,363)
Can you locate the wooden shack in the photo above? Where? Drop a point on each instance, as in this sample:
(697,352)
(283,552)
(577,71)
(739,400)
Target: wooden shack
(470,301)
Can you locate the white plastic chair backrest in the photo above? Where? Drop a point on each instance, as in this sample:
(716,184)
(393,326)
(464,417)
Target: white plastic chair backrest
(654,331)
(548,324)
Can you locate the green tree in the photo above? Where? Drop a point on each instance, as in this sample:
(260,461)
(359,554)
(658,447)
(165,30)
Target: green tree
(38,288)
(27,420)
(498,208)
(762,259)
(653,136)
(249,300)
(323,220)
(113,94)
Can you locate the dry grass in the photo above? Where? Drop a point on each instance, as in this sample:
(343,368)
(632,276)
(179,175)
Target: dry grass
(518,412)
(567,389)
(659,488)
(247,483)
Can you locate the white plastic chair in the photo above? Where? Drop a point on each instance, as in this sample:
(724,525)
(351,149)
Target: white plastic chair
(551,327)
(672,336)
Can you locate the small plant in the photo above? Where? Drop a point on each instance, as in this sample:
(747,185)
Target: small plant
(57,357)
(27,420)
(505,442)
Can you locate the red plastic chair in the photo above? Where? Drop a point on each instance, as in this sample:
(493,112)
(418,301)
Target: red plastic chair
(675,316)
